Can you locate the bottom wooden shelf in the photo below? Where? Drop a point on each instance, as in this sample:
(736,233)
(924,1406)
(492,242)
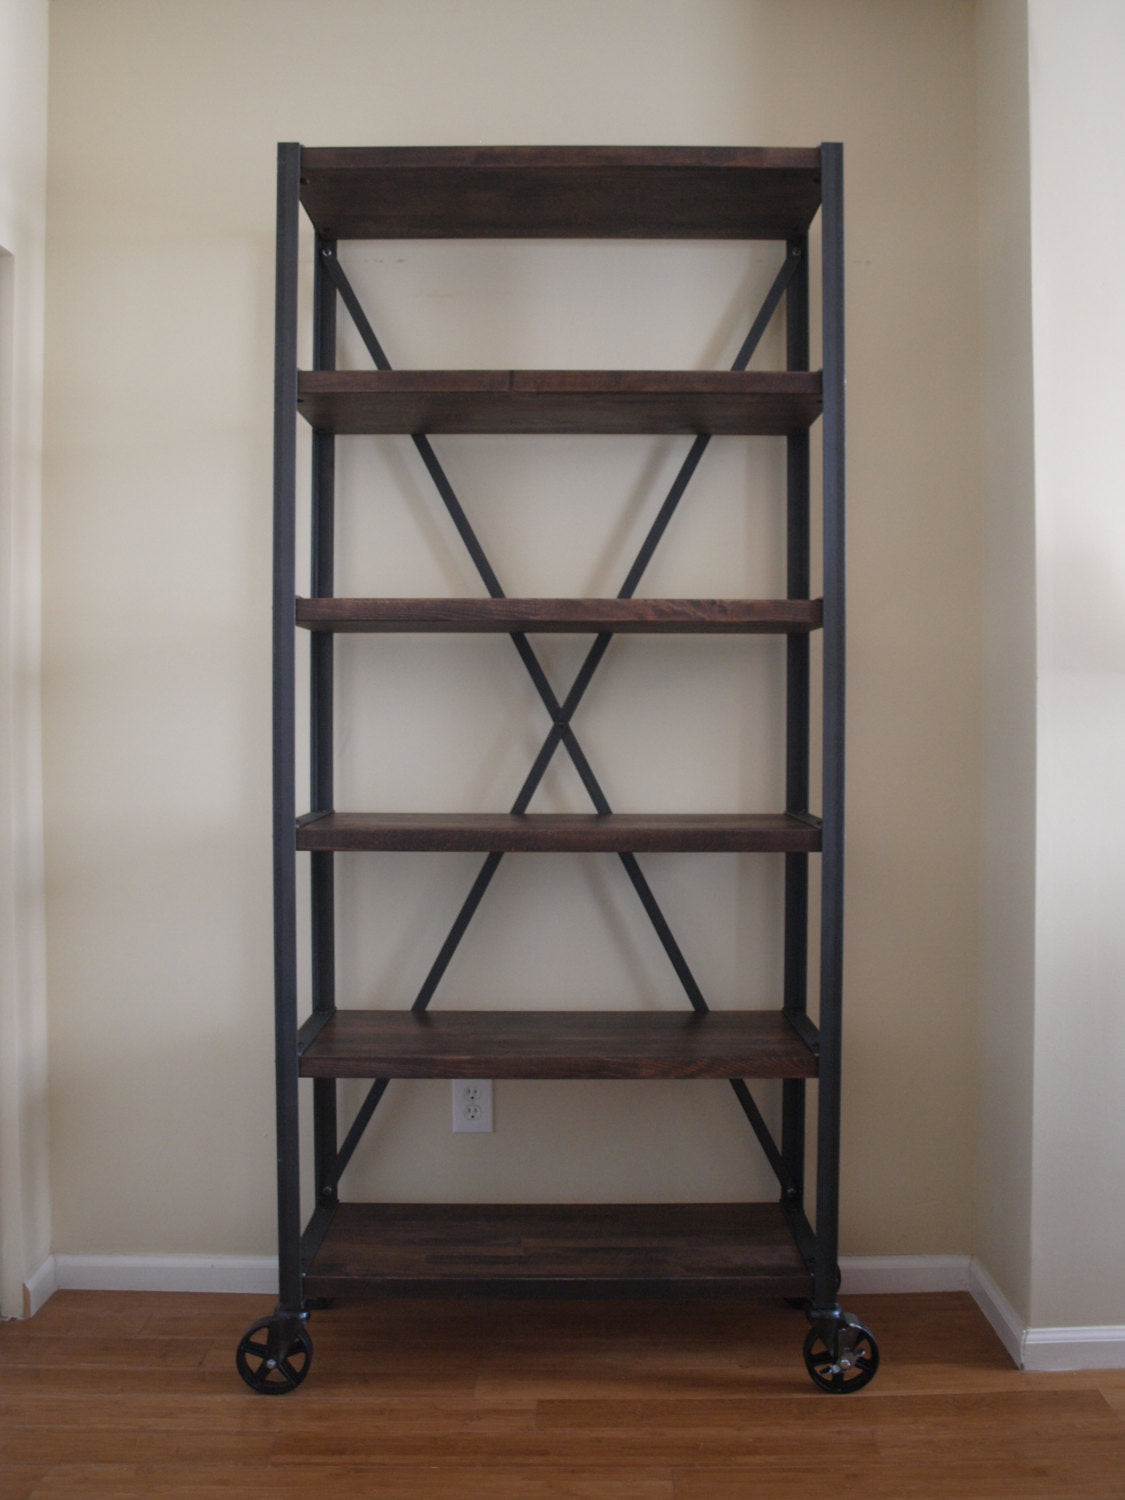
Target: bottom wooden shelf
(620,1250)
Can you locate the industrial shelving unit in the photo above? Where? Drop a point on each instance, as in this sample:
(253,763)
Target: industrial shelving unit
(359,1249)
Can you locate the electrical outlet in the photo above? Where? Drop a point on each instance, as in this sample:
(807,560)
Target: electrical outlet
(472,1104)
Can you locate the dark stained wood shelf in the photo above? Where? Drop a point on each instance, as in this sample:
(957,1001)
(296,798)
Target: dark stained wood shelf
(557,1044)
(649,616)
(484,192)
(618,1250)
(590,833)
(774,402)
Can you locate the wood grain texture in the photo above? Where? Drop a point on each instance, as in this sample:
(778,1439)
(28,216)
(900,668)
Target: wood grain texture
(647,616)
(507,1250)
(542,401)
(558,192)
(557,1044)
(134,1395)
(589,833)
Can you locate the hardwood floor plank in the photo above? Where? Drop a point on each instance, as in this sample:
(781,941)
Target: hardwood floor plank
(787,1481)
(95,1381)
(221,1482)
(216,1415)
(738,1415)
(943,1479)
(1111,1384)
(108,1352)
(624,1447)
(1014,1419)
(1070,1476)
(32,1444)
(21,1481)
(133,1314)
(620,1381)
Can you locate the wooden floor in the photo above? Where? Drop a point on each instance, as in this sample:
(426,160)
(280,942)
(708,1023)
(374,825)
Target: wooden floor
(137,1395)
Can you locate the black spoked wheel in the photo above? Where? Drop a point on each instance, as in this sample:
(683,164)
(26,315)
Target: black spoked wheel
(845,1361)
(266,1366)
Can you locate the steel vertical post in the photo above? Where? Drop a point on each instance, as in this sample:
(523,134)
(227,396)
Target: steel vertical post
(321,794)
(832,856)
(795,985)
(284,788)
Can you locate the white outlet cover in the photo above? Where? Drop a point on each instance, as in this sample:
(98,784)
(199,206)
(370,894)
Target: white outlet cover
(472,1105)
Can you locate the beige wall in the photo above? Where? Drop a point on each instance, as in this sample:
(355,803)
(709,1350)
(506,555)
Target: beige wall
(1002,1236)
(163,126)
(1051,1154)
(1079,328)
(25,1222)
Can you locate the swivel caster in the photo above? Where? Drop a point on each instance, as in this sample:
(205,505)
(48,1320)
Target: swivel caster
(274,1356)
(842,1359)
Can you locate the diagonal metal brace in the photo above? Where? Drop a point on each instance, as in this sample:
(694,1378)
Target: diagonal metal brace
(561,714)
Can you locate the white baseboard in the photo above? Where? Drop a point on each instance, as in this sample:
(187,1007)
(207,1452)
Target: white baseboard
(999,1311)
(167,1273)
(40,1287)
(1090,1347)
(868,1274)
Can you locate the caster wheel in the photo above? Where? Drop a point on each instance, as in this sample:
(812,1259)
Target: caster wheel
(267,1369)
(844,1362)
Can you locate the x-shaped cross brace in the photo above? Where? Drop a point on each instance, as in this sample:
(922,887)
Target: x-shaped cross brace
(562,713)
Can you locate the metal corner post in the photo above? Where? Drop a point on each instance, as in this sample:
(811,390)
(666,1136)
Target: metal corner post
(795,987)
(832,857)
(321,864)
(284,790)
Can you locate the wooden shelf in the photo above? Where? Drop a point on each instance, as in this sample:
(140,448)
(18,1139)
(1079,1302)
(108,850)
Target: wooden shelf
(560,192)
(557,1044)
(619,1250)
(590,833)
(648,616)
(775,402)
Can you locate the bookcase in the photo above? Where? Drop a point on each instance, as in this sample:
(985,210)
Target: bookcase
(785,1247)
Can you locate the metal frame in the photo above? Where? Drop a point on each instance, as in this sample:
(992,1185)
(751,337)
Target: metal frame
(818,1247)
(825,1309)
(290,1271)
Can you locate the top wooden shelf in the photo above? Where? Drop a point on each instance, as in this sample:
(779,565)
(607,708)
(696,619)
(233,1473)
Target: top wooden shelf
(560,192)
